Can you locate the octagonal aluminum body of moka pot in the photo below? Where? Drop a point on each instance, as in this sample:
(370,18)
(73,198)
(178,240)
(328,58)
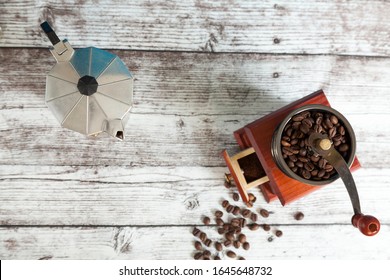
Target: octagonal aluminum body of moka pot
(88,90)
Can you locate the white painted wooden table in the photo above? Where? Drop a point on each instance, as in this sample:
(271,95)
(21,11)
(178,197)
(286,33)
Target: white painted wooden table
(203,69)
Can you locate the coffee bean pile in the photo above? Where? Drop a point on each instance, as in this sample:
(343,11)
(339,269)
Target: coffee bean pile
(231,231)
(295,147)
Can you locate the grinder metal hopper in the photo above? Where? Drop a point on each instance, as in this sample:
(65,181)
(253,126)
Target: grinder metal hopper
(89,90)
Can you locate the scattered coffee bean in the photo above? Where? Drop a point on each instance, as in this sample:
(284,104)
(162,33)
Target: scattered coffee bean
(254,226)
(235,222)
(236,210)
(231,254)
(208,242)
(206,220)
(196,232)
(203,236)
(198,255)
(229,236)
(236,196)
(217,258)
(242,238)
(241,258)
(246,246)
(278,233)
(264,213)
(221,231)
(218,214)
(242,222)
(225,203)
(236,244)
(219,222)
(254,217)
(229,209)
(218,246)
(206,253)
(227,243)
(266,227)
(252,197)
(246,213)
(299,216)
(226,226)
(198,246)
(249,204)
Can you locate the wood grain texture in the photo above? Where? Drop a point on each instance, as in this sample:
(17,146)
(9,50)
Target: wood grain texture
(307,27)
(326,242)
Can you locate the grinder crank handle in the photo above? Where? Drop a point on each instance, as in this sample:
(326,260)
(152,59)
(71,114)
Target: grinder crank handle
(367,224)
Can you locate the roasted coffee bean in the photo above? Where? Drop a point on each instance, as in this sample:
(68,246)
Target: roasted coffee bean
(286,138)
(308,166)
(303,159)
(241,258)
(237,230)
(227,243)
(196,232)
(306,174)
(264,213)
(294,169)
(217,258)
(337,137)
(285,143)
(246,246)
(218,214)
(295,125)
(235,222)
(236,210)
(266,227)
(299,164)
(225,203)
(254,226)
(254,217)
(206,220)
(229,209)
(287,151)
(289,132)
(314,172)
(198,255)
(278,233)
(229,236)
(252,197)
(319,120)
(318,128)
(326,176)
(218,246)
(321,173)
(249,204)
(236,244)
(231,254)
(343,148)
(341,130)
(236,196)
(198,246)
(314,158)
(206,258)
(322,163)
(226,226)
(294,142)
(206,253)
(307,122)
(332,132)
(242,238)
(227,185)
(304,128)
(208,242)
(302,152)
(219,222)
(299,216)
(334,119)
(290,164)
(221,231)
(298,118)
(328,123)
(246,213)
(328,168)
(203,236)
(293,158)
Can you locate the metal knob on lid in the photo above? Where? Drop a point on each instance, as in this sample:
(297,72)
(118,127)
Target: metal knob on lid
(321,145)
(89,90)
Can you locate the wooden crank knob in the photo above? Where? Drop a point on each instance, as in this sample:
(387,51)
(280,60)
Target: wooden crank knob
(368,225)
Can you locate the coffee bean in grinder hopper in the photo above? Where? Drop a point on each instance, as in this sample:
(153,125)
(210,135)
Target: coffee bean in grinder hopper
(295,150)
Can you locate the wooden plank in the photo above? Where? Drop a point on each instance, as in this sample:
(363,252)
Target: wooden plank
(297,242)
(98,195)
(314,26)
(239,84)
